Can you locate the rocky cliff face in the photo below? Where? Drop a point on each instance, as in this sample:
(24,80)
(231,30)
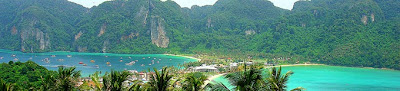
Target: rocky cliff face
(29,33)
(102,30)
(158,33)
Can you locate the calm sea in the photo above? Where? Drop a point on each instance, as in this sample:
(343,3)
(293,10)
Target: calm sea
(95,61)
(334,78)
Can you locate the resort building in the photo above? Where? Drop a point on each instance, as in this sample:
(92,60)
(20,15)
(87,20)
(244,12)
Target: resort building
(205,68)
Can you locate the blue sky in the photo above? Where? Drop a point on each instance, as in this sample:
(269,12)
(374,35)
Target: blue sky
(286,4)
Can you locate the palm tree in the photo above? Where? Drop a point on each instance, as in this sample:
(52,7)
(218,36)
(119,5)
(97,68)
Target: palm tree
(217,87)
(277,81)
(5,86)
(137,85)
(48,83)
(160,80)
(250,80)
(194,82)
(66,78)
(96,81)
(114,80)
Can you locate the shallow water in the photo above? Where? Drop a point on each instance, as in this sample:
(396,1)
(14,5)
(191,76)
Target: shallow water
(100,59)
(334,78)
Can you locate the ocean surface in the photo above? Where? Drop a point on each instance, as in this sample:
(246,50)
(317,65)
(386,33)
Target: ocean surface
(335,78)
(95,61)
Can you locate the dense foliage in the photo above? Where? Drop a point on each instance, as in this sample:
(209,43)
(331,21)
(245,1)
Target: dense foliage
(362,33)
(26,75)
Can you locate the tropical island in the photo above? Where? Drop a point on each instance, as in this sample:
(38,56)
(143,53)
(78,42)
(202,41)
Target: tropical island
(243,41)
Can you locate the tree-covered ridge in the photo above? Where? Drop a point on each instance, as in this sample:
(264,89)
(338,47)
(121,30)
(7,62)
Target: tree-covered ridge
(338,32)
(26,75)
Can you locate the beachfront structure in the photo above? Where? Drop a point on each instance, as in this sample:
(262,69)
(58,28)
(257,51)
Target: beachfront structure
(205,68)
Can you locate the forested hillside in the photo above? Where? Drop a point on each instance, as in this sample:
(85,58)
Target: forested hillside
(360,33)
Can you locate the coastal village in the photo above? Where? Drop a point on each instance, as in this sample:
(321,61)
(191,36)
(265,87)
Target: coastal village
(213,69)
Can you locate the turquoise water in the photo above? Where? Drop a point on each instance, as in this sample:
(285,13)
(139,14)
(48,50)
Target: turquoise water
(334,78)
(100,59)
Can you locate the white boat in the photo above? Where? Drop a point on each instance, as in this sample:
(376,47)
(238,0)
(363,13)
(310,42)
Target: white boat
(16,59)
(69,56)
(130,63)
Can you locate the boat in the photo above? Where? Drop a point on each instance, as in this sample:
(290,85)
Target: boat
(143,58)
(80,62)
(1,57)
(149,64)
(108,63)
(136,60)
(121,60)
(158,61)
(129,57)
(53,56)
(142,65)
(13,55)
(60,60)
(16,59)
(92,61)
(69,56)
(106,56)
(130,63)
(84,64)
(96,66)
(47,61)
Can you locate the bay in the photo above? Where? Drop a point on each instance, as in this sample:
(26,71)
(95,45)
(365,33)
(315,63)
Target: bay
(336,78)
(95,61)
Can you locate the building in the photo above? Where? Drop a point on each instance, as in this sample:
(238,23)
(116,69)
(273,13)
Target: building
(205,68)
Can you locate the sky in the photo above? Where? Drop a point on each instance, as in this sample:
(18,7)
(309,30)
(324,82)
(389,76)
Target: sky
(286,4)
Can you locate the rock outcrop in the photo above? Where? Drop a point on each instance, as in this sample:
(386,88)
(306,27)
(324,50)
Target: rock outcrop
(158,33)
(102,30)
(250,32)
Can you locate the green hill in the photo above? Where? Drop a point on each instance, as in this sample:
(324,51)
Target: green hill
(362,33)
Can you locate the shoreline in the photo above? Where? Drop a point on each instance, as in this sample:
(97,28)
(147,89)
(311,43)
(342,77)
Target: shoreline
(288,65)
(211,78)
(198,59)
